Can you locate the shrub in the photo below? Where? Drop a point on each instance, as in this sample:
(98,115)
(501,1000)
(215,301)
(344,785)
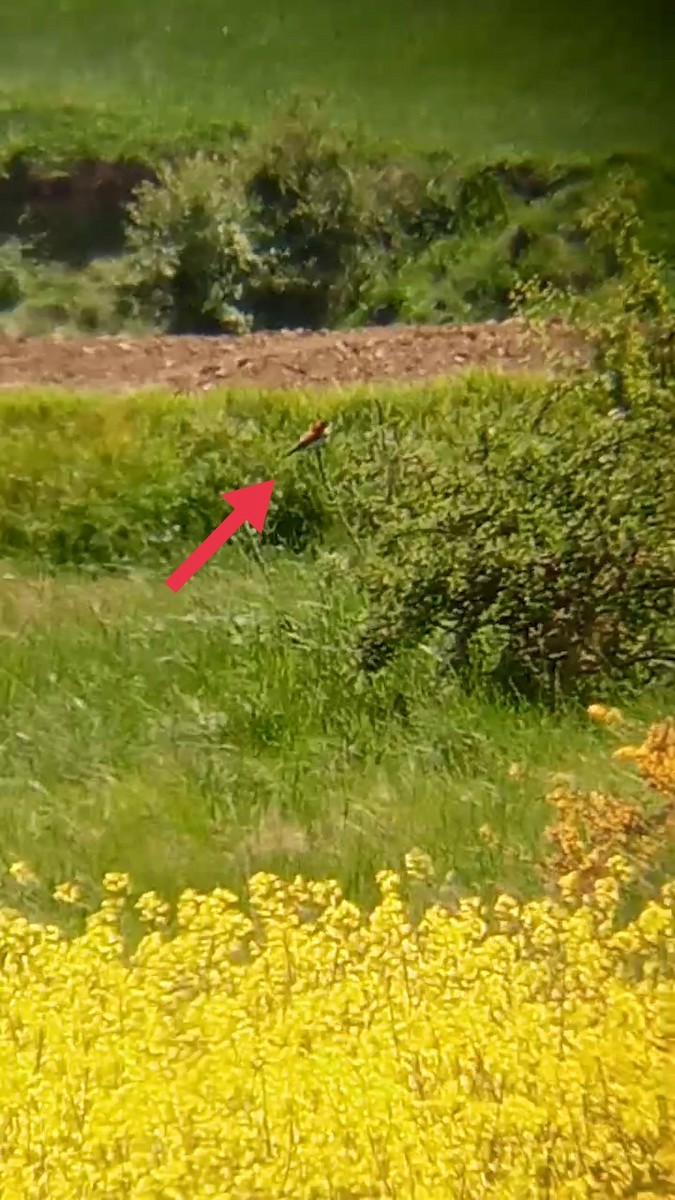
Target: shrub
(306,189)
(38,297)
(452,279)
(271,238)
(11,271)
(546,558)
(304,226)
(473,245)
(193,265)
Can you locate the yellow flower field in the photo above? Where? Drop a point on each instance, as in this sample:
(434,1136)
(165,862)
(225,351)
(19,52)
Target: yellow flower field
(310,1050)
(296,1046)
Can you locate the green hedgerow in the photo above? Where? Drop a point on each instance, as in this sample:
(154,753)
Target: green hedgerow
(545,557)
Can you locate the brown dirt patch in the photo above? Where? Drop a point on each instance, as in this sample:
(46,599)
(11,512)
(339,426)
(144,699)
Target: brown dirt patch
(275,360)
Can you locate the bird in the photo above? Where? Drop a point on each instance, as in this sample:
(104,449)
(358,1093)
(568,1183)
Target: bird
(315,437)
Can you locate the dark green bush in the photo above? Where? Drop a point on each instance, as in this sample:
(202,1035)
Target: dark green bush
(11,266)
(546,559)
(272,238)
(194,265)
(488,242)
(38,296)
(304,227)
(314,221)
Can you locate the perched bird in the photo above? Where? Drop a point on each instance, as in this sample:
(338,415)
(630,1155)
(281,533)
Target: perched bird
(315,437)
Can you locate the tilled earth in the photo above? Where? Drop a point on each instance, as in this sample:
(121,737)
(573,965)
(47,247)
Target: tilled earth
(276,360)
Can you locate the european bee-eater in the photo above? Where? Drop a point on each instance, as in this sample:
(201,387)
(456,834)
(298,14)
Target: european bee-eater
(315,437)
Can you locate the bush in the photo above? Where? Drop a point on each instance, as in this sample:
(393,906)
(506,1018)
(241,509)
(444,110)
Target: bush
(38,297)
(306,188)
(272,238)
(465,262)
(451,280)
(546,557)
(193,266)
(305,227)
(11,269)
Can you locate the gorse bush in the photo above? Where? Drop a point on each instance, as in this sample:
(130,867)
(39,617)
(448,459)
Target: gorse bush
(590,829)
(546,558)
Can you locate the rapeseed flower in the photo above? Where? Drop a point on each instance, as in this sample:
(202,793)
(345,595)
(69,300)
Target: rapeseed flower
(21,873)
(305,1048)
(293,1045)
(68,893)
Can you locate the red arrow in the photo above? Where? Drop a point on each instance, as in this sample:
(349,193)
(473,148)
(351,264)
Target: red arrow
(248,504)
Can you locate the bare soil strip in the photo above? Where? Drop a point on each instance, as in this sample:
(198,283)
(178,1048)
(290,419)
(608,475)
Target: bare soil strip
(275,360)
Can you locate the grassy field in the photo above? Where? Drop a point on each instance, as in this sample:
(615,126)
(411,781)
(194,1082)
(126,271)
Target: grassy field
(278,1037)
(193,738)
(474,79)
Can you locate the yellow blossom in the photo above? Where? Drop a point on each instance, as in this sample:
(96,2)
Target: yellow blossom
(342,1055)
(619,867)
(604,714)
(487,835)
(21,873)
(295,1045)
(152,909)
(418,865)
(68,893)
(655,758)
(569,883)
(339,1050)
(117,883)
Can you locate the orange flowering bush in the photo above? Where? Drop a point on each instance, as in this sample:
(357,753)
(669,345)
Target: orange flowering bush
(591,828)
(655,758)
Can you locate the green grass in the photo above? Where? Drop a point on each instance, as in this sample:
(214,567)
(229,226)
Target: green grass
(476,79)
(194,738)
(131,480)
